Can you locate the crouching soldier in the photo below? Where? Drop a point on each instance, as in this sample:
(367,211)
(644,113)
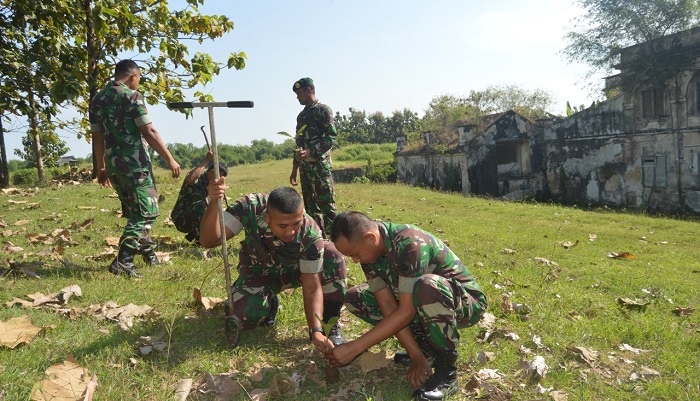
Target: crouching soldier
(282,248)
(192,200)
(417,290)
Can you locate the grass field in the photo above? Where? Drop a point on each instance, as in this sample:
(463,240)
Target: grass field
(595,343)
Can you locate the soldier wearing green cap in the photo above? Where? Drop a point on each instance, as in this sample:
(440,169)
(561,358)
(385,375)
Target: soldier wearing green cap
(315,136)
(121,130)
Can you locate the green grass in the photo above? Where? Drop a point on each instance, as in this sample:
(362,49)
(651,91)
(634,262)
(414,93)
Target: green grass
(585,283)
(356,155)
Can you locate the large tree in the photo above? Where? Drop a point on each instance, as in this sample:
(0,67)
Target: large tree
(607,26)
(532,104)
(87,37)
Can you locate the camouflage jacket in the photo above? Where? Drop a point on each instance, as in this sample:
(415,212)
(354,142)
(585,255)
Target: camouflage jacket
(316,131)
(118,112)
(190,205)
(412,253)
(261,248)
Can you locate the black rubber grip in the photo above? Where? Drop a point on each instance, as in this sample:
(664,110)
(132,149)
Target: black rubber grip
(240,103)
(180,105)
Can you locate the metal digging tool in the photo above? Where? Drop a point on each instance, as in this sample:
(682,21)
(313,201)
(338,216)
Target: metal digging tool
(232,322)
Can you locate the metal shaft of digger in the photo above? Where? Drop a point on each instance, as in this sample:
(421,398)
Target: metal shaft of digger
(222,229)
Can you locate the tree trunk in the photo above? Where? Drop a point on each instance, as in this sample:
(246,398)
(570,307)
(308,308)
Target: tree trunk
(36,134)
(92,52)
(4,170)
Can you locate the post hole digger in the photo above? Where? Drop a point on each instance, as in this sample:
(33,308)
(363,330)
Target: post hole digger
(231,325)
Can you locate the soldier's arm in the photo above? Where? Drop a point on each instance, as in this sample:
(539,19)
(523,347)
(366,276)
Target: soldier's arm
(197,171)
(209,227)
(327,133)
(313,307)
(152,137)
(99,146)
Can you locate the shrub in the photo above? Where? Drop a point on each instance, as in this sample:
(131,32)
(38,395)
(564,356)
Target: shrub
(26,177)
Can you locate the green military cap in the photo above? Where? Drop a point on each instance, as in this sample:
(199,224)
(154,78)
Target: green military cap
(303,83)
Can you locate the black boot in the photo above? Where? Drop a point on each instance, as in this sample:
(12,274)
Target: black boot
(443,381)
(150,257)
(330,310)
(124,262)
(272,316)
(147,247)
(401,357)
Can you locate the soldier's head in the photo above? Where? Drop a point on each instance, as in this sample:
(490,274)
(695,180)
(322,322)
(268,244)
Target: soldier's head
(305,91)
(128,73)
(285,213)
(223,171)
(357,236)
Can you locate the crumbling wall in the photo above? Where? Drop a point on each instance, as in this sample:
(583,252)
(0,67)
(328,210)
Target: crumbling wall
(445,172)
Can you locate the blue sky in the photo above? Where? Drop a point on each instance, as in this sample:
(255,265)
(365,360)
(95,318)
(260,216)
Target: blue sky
(380,55)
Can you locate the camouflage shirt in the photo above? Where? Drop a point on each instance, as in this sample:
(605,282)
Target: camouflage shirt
(260,247)
(412,253)
(316,130)
(118,112)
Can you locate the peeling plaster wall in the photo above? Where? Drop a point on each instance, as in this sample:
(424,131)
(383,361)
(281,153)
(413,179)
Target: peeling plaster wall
(440,171)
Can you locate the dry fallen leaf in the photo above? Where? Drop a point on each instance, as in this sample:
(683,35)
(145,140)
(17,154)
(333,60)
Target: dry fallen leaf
(17,331)
(182,390)
(370,361)
(681,311)
(508,251)
(546,262)
(66,381)
(621,255)
(282,385)
(224,386)
(112,241)
(21,222)
(632,304)
(586,355)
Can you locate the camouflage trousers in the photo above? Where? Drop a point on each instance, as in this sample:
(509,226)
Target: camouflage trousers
(189,209)
(256,285)
(139,200)
(319,194)
(442,306)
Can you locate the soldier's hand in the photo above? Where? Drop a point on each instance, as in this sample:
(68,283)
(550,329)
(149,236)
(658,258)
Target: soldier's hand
(174,168)
(303,154)
(209,157)
(102,178)
(321,342)
(293,180)
(217,188)
(419,371)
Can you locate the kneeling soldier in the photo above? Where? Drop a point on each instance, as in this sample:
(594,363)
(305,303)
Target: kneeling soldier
(416,287)
(282,248)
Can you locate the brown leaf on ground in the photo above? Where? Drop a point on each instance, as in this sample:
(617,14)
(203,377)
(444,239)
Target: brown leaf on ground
(26,268)
(9,233)
(90,390)
(631,304)
(11,248)
(259,394)
(20,302)
(11,191)
(21,222)
(17,331)
(182,389)
(558,395)
(125,315)
(568,244)
(545,262)
(66,381)
(40,239)
(646,374)
(165,257)
(168,222)
(585,355)
(370,361)
(621,255)
(508,251)
(282,385)
(112,241)
(223,386)
(683,311)
(86,207)
(84,225)
(627,347)
(107,254)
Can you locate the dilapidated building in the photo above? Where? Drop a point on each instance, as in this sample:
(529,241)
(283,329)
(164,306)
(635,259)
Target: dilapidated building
(638,149)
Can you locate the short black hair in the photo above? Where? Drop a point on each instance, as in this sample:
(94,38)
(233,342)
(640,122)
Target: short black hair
(285,200)
(125,67)
(350,225)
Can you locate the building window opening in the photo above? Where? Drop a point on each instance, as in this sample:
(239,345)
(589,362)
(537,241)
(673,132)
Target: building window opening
(653,103)
(513,157)
(654,171)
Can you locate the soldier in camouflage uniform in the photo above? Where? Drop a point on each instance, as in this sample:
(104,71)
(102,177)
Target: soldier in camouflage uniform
(282,248)
(121,128)
(414,281)
(314,140)
(192,200)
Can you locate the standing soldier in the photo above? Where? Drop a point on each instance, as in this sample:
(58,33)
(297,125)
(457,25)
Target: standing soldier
(120,124)
(282,248)
(315,136)
(416,289)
